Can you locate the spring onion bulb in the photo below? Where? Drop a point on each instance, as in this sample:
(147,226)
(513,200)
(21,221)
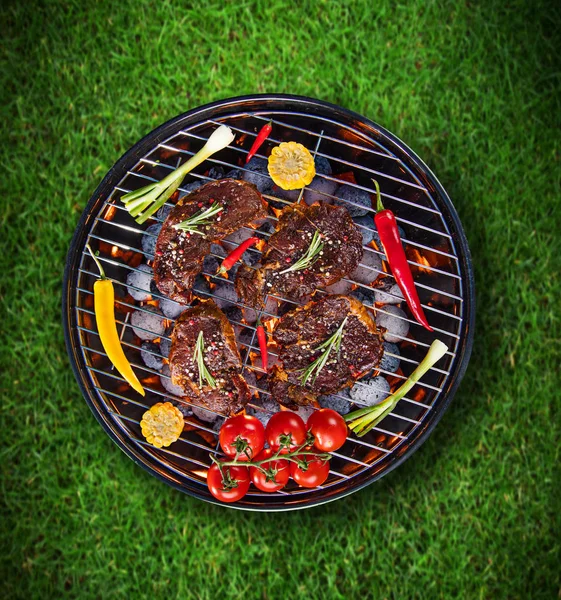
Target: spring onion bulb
(144,202)
(363,420)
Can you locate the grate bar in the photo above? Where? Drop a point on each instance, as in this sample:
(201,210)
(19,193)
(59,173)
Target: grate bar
(210,295)
(152,450)
(366,248)
(183,132)
(245,345)
(245,325)
(384,154)
(206,448)
(182,400)
(249,346)
(364,266)
(323,155)
(388,153)
(146,407)
(244,169)
(170,452)
(280,298)
(202,464)
(250,367)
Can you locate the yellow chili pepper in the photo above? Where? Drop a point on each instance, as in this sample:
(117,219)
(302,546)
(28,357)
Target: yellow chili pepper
(104,298)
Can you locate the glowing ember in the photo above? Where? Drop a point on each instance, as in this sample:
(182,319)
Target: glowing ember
(417,257)
(110,212)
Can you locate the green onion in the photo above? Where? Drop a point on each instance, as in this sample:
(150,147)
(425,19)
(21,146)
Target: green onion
(143,203)
(363,420)
(199,219)
(310,256)
(332,343)
(198,357)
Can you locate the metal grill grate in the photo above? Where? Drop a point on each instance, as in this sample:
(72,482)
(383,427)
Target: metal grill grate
(350,146)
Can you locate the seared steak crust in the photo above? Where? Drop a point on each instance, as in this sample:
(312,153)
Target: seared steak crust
(300,332)
(341,254)
(221,358)
(179,255)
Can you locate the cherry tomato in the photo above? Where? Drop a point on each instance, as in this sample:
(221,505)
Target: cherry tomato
(279,469)
(282,425)
(230,488)
(314,474)
(328,428)
(242,436)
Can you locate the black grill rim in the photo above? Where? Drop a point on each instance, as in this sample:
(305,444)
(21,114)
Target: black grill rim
(163,132)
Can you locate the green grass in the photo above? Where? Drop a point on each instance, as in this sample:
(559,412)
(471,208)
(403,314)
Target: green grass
(474,88)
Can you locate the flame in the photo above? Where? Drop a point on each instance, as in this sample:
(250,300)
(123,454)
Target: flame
(419,394)
(417,257)
(348,176)
(87,320)
(129,256)
(119,307)
(269,324)
(202,474)
(206,435)
(394,380)
(370,457)
(349,468)
(392,440)
(165,153)
(152,380)
(96,359)
(385,267)
(255,359)
(110,212)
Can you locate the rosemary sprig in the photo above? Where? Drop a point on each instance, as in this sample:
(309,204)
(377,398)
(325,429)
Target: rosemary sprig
(198,357)
(309,257)
(199,219)
(332,343)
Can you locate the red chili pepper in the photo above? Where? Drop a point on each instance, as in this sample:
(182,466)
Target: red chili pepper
(393,247)
(235,255)
(261,137)
(262,337)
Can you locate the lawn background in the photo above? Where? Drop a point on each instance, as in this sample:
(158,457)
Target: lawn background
(473,87)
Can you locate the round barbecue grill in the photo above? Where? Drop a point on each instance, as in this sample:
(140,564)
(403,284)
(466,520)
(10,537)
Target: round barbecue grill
(357,150)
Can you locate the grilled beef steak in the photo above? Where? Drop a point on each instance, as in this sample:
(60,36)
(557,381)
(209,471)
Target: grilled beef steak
(221,358)
(340,255)
(299,334)
(180,254)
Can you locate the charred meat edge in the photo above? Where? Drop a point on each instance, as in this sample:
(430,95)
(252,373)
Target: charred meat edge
(207,397)
(175,280)
(293,395)
(250,283)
